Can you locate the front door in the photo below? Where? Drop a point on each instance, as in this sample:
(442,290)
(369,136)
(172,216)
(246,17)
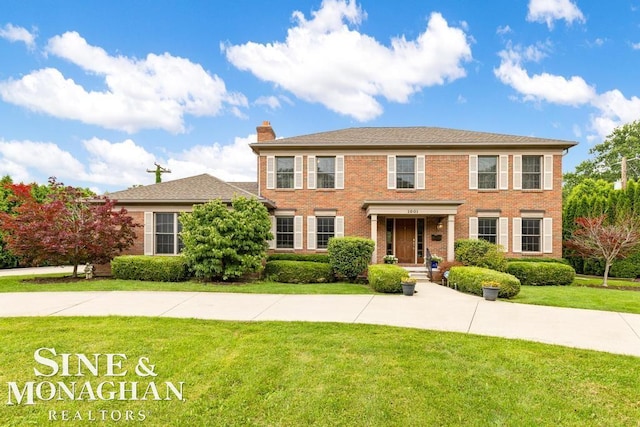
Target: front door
(406,240)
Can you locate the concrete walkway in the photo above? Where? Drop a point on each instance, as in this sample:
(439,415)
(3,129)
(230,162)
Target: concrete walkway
(433,307)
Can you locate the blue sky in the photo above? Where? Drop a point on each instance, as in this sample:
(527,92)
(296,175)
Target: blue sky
(95,92)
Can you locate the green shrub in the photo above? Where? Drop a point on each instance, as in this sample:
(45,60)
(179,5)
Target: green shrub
(541,259)
(386,278)
(299,257)
(480,253)
(469,279)
(542,273)
(350,256)
(298,272)
(150,268)
(628,268)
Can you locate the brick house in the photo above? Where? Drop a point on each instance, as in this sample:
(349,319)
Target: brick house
(408,188)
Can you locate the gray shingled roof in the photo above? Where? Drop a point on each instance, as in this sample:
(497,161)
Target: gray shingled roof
(251,187)
(410,136)
(195,189)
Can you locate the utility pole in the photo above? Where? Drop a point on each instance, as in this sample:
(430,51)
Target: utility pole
(159,170)
(623,172)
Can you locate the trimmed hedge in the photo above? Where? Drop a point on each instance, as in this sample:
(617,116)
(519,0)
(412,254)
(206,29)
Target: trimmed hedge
(298,272)
(350,256)
(542,273)
(629,267)
(480,253)
(150,268)
(386,278)
(469,279)
(299,257)
(541,259)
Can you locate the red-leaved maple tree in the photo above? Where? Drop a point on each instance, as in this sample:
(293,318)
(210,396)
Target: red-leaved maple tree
(595,238)
(66,228)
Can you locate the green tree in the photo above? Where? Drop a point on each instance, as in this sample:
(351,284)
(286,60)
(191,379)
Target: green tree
(605,164)
(350,256)
(222,243)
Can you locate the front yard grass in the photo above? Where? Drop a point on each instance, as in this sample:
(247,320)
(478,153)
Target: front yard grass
(17,284)
(298,373)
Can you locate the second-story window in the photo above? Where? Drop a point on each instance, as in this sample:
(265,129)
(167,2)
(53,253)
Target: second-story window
(488,172)
(284,172)
(405,172)
(326,172)
(531,172)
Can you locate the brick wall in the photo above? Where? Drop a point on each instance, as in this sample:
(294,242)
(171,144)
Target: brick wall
(447,178)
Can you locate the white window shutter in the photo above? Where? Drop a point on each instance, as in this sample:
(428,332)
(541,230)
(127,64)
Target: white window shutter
(503,233)
(273,242)
(547,236)
(548,172)
(420,175)
(148,233)
(311,172)
(517,235)
(473,227)
(504,172)
(339,226)
(517,173)
(297,173)
(391,172)
(311,232)
(473,172)
(297,232)
(271,172)
(340,172)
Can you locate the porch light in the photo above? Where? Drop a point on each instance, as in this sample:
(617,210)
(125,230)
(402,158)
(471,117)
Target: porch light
(440,225)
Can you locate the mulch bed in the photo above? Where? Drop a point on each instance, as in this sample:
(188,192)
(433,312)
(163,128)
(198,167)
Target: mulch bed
(65,279)
(619,288)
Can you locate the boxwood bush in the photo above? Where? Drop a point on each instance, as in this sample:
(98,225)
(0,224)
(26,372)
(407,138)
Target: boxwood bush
(350,256)
(480,253)
(298,272)
(386,278)
(542,273)
(150,268)
(539,259)
(299,257)
(469,279)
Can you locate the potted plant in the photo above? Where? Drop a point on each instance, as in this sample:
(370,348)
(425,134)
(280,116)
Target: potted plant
(490,290)
(390,259)
(408,286)
(435,260)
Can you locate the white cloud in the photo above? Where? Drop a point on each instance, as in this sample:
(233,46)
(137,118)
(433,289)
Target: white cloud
(613,108)
(548,11)
(326,60)
(29,160)
(270,101)
(504,30)
(18,34)
(635,46)
(540,87)
(155,92)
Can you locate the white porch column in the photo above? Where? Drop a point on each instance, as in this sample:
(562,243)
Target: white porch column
(451,231)
(374,237)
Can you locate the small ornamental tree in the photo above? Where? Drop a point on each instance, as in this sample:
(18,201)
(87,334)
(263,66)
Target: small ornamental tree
(595,238)
(66,228)
(350,256)
(222,243)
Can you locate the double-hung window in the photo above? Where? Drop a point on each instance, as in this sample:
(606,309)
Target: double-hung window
(488,229)
(405,172)
(325,229)
(326,172)
(284,172)
(167,233)
(531,234)
(531,172)
(488,172)
(284,232)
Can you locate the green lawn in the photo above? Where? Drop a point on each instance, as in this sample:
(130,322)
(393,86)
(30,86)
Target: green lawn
(16,284)
(295,374)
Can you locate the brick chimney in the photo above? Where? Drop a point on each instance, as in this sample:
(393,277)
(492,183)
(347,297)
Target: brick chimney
(265,132)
